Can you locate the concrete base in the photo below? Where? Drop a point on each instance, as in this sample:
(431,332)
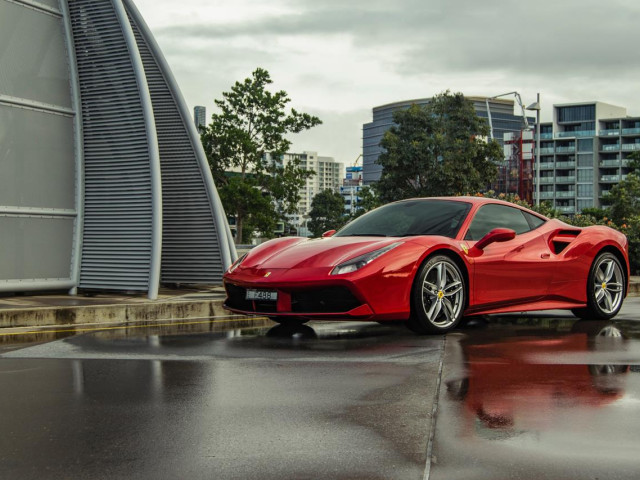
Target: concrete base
(64,310)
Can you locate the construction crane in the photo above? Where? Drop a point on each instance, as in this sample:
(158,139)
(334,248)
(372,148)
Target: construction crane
(518,99)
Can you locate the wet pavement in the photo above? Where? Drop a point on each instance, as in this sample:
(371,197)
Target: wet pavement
(515,397)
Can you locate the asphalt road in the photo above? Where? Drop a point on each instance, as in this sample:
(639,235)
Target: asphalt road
(519,396)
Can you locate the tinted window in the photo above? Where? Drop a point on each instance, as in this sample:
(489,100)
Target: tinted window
(489,217)
(534,220)
(411,217)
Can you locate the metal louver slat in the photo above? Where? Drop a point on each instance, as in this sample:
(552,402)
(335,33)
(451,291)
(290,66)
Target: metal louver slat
(191,250)
(117,238)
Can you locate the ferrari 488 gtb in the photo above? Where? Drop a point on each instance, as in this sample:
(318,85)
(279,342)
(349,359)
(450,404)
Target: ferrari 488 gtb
(429,261)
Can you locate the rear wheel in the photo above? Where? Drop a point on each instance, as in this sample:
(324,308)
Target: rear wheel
(438,296)
(605,289)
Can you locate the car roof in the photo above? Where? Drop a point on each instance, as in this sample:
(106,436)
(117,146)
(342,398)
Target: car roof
(477,200)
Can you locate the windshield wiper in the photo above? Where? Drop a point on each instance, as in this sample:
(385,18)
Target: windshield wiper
(364,235)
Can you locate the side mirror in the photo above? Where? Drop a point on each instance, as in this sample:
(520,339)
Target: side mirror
(495,235)
(328,233)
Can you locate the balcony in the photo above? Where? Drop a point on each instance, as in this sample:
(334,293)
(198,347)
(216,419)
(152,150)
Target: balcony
(567,179)
(571,149)
(610,148)
(547,151)
(579,133)
(609,133)
(629,147)
(546,180)
(631,131)
(565,164)
(568,209)
(546,165)
(567,194)
(546,195)
(610,178)
(604,193)
(546,136)
(610,163)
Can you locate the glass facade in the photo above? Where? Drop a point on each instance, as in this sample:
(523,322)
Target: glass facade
(502,120)
(576,113)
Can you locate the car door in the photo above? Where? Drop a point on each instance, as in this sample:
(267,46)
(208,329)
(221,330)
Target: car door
(511,272)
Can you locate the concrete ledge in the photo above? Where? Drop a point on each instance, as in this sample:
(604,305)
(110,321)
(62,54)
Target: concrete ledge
(96,314)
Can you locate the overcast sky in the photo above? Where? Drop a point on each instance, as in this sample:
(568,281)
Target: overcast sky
(338,59)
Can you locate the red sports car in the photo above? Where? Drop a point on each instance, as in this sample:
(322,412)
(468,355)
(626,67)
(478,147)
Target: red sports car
(429,261)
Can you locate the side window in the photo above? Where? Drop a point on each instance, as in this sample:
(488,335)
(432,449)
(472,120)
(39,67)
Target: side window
(491,216)
(533,220)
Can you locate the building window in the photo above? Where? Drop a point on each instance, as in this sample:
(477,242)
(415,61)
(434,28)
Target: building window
(577,113)
(582,204)
(585,160)
(585,190)
(585,175)
(585,145)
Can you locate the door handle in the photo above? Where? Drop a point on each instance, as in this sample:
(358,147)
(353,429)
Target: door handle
(545,255)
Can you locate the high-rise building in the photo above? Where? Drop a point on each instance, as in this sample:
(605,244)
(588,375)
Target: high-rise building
(200,116)
(104,184)
(350,189)
(584,152)
(329,175)
(502,116)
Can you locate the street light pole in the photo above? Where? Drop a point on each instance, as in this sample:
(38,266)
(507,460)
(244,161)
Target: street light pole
(536,107)
(538,151)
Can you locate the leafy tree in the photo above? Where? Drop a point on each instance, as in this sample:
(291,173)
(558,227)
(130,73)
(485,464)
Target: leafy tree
(327,212)
(438,149)
(243,137)
(369,200)
(624,198)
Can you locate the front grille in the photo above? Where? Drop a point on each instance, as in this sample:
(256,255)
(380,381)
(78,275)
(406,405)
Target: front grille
(319,300)
(236,297)
(323,300)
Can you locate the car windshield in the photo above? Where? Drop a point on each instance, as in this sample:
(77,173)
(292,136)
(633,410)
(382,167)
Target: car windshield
(410,217)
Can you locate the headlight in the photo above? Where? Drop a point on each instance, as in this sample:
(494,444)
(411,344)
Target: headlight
(359,262)
(235,264)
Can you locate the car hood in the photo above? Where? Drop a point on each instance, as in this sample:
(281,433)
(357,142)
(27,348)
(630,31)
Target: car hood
(312,253)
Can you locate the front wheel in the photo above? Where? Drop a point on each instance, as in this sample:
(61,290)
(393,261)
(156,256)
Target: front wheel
(605,288)
(438,296)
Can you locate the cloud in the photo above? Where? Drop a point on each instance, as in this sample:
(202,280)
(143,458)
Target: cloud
(339,58)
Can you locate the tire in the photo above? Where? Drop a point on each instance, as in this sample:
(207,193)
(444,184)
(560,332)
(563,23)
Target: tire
(605,289)
(289,320)
(438,297)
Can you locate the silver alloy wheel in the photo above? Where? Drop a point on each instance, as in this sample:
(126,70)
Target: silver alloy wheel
(442,294)
(608,285)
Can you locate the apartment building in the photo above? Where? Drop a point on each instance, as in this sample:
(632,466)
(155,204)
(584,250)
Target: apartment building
(584,153)
(329,176)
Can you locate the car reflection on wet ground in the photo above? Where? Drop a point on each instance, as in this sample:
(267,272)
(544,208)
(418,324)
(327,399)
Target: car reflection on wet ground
(513,397)
(540,398)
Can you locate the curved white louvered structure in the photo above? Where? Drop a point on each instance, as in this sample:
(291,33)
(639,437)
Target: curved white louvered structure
(103,181)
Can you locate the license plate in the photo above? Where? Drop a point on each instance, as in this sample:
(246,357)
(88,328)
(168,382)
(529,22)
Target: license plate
(268,295)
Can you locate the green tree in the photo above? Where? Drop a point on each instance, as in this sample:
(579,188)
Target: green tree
(369,200)
(243,137)
(327,212)
(438,149)
(623,199)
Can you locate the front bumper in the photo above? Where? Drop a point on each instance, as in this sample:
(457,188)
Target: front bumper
(325,301)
